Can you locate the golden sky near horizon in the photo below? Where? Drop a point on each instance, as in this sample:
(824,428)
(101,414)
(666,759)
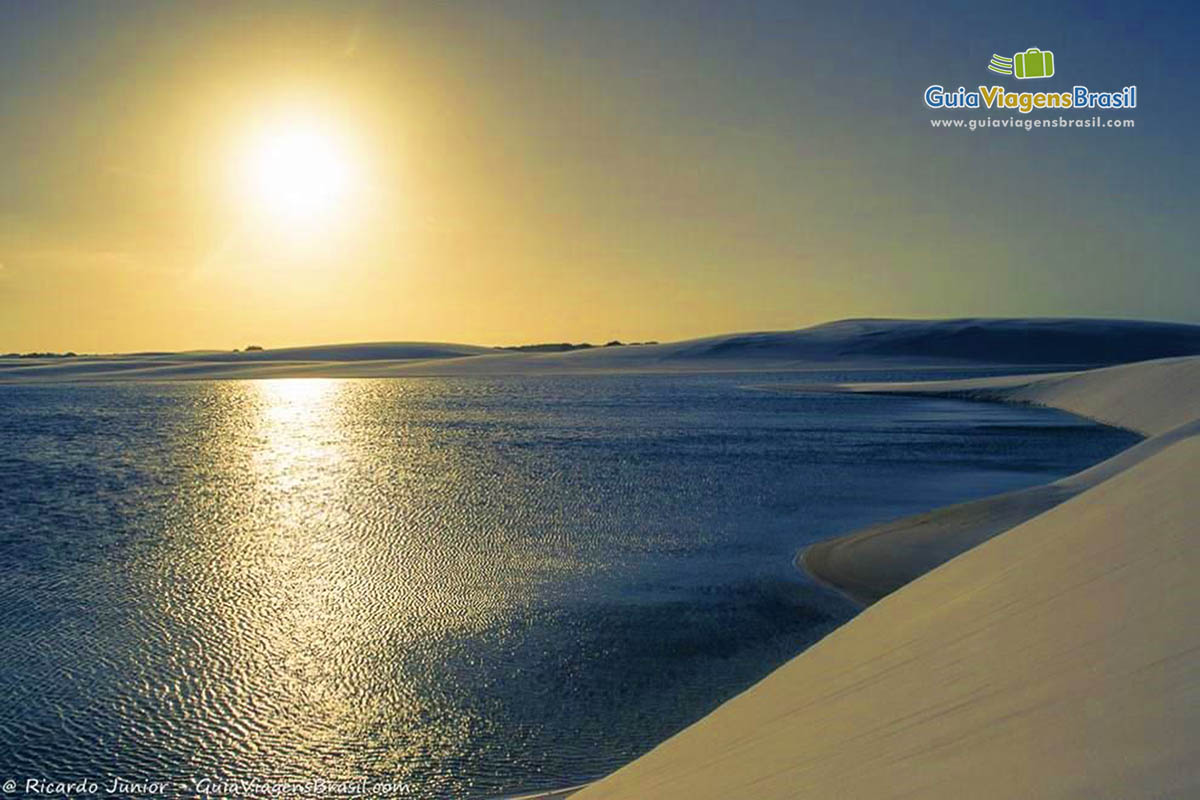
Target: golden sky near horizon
(193,176)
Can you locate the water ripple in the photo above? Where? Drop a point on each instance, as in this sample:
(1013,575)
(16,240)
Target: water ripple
(468,586)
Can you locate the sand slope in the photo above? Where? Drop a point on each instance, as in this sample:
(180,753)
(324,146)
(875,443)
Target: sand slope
(1150,398)
(872,563)
(858,344)
(342,360)
(1058,659)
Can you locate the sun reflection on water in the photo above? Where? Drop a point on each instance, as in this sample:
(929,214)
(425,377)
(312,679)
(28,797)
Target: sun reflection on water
(281,584)
(325,578)
(299,445)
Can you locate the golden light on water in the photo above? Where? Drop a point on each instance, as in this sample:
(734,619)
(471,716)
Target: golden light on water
(332,542)
(280,587)
(292,410)
(325,593)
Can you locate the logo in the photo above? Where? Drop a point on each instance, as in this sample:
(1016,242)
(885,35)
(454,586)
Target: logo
(1001,64)
(1033,63)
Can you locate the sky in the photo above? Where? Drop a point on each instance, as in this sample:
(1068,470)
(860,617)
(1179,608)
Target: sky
(218,174)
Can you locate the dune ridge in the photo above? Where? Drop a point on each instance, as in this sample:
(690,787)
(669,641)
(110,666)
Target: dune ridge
(849,344)
(1056,659)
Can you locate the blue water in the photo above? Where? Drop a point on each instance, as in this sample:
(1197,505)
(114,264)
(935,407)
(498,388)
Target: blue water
(464,587)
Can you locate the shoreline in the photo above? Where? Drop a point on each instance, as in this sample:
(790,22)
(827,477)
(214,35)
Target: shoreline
(548,794)
(102,370)
(867,564)
(1054,657)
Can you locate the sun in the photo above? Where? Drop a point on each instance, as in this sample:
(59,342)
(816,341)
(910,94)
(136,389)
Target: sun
(297,172)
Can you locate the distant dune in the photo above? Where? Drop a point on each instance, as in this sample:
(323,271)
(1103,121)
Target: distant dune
(1079,342)
(851,343)
(369,359)
(365,351)
(1059,659)
(1005,341)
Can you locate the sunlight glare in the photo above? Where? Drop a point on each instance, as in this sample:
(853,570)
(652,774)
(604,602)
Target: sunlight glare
(298,173)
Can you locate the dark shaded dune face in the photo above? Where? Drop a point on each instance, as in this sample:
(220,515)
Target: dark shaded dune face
(765,346)
(1034,342)
(1011,341)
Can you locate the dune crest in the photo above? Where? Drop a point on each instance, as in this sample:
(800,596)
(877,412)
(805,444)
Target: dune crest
(847,344)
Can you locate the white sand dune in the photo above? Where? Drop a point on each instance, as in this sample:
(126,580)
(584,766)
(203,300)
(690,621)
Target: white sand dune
(1058,659)
(368,359)
(1148,398)
(857,344)
(872,563)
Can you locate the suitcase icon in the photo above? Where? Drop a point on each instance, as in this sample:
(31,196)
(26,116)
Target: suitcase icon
(1034,63)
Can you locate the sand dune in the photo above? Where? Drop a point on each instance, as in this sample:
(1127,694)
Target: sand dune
(1058,659)
(339,360)
(872,563)
(1147,398)
(858,344)
(1003,341)
(362,351)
